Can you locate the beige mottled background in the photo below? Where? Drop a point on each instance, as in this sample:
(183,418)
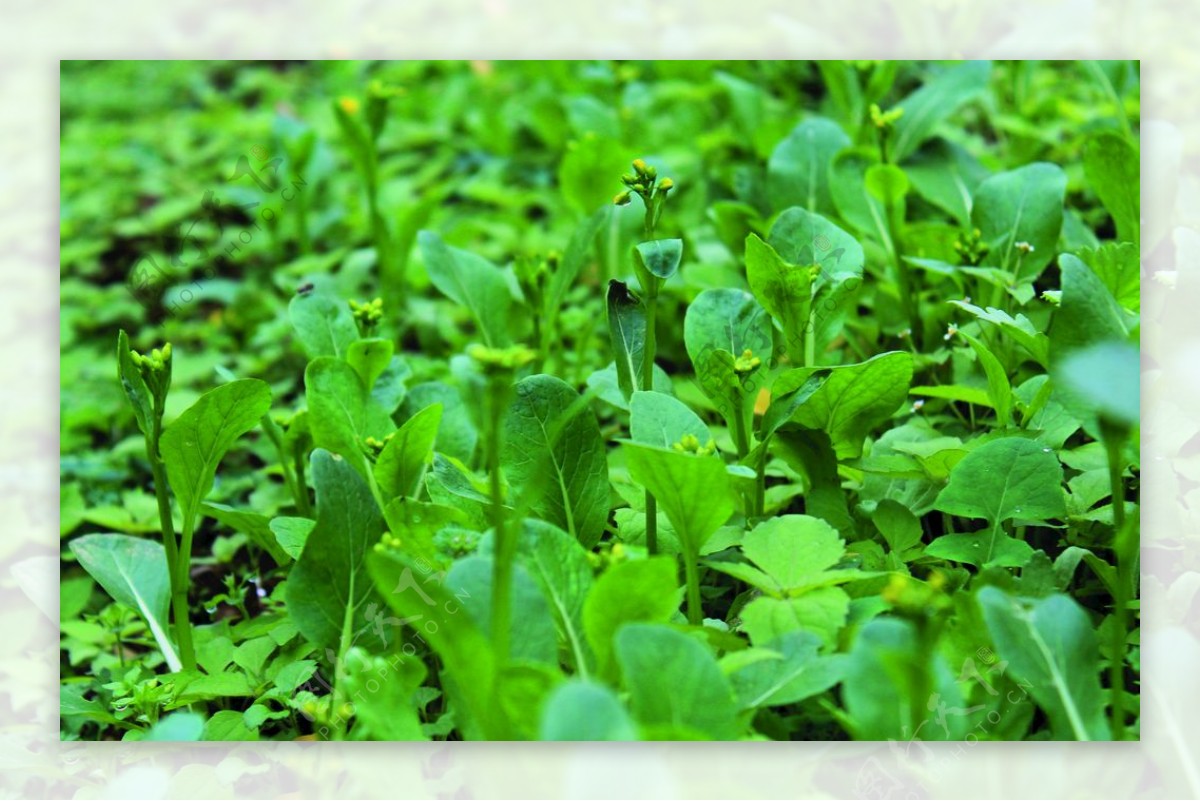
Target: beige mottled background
(35,34)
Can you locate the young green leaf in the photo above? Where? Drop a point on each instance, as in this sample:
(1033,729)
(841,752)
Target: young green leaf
(1113,169)
(554,457)
(627,331)
(401,466)
(382,688)
(1003,479)
(195,443)
(946,175)
(134,572)
(934,102)
(999,390)
(323,324)
(560,566)
(675,684)
(800,237)
(798,170)
(785,291)
(134,385)
(793,671)
(328,589)
(694,491)
(534,637)
(660,257)
(471,281)
(853,399)
(340,412)
(661,420)
(1024,205)
(369,358)
(637,591)
(1050,646)
(587,712)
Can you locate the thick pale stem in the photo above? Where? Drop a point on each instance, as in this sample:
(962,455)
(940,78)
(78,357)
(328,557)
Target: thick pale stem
(178,573)
(695,612)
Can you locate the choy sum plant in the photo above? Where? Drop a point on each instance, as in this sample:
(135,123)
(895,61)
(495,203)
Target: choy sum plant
(832,434)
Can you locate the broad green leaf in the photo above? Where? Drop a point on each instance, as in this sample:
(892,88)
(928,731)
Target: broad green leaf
(822,611)
(627,332)
(996,549)
(532,628)
(793,671)
(228,726)
(800,237)
(457,435)
(792,549)
(999,389)
(291,533)
(645,590)
(195,443)
(323,324)
(328,590)
(887,183)
(134,572)
(554,457)
(1088,312)
(694,491)
(895,688)
(341,415)
(471,281)
(858,207)
(785,291)
(255,526)
(1050,648)
(450,483)
(934,102)
(1119,267)
(901,529)
(853,399)
(1018,328)
(662,420)
(605,385)
(660,256)
(587,712)
(1113,170)
(369,358)
(719,327)
(560,567)
(798,170)
(401,466)
(134,385)
(469,665)
(947,176)
(1021,205)
(955,392)
(1105,378)
(674,682)
(1003,479)
(178,727)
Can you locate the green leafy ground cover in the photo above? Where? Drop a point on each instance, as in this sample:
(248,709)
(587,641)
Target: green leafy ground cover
(600,401)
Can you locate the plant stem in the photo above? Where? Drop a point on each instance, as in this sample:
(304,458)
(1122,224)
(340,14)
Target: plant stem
(178,573)
(1114,440)
(648,385)
(289,475)
(903,279)
(502,566)
(695,613)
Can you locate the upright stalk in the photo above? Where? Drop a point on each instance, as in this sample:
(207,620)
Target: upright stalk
(1114,440)
(179,585)
(648,384)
